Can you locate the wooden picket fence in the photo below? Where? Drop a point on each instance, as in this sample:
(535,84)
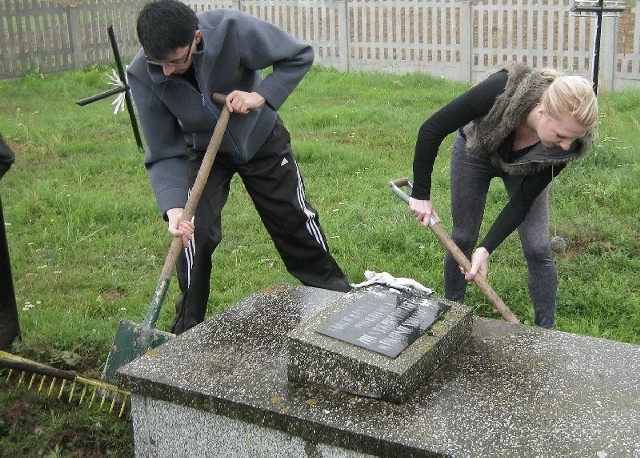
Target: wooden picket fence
(454,39)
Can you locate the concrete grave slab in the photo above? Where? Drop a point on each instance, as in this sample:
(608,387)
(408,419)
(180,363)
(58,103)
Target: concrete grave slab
(221,390)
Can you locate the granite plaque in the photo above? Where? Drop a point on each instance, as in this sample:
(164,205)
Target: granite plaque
(386,322)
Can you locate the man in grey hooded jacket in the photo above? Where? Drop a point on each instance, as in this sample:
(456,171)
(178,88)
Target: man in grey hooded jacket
(184,59)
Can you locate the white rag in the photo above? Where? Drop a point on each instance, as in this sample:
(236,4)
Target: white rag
(386,279)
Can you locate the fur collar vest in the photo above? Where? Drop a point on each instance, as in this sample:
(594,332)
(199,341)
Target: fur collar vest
(486,135)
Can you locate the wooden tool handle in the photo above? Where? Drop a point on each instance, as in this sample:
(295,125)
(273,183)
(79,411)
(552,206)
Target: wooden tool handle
(192,203)
(199,184)
(478,280)
(11,361)
(457,254)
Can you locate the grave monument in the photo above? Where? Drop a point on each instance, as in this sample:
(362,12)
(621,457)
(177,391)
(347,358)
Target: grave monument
(223,388)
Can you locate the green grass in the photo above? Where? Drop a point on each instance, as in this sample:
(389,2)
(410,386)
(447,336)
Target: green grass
(87,243)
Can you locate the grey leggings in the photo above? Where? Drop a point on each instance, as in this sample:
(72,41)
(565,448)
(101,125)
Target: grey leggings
(470,178)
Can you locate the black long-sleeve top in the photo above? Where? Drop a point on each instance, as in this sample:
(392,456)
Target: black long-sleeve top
(472,104)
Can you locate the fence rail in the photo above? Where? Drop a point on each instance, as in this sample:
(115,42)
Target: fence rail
(453,39)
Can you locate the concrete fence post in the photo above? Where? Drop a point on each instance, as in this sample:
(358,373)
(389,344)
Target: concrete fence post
(466,40)
(344,35)
(608,52)
(75,42)
(4,58)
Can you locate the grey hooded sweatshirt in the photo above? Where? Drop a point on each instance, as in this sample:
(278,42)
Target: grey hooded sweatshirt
(176,116)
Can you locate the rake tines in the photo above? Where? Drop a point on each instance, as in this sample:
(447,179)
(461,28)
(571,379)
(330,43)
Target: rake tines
(65,385)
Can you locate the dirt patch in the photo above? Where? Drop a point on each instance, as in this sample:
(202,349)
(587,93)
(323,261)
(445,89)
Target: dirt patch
(15,412)
(32,424)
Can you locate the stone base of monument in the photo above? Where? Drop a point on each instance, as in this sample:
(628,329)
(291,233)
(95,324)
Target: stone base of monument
(368,353)
(221,390)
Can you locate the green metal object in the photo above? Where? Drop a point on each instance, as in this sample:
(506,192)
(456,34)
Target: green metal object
(133,340)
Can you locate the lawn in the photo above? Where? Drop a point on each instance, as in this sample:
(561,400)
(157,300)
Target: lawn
(87,243)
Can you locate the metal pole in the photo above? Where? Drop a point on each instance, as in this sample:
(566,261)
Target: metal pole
(596,46)
(123,79)
(613,8)
(123,88)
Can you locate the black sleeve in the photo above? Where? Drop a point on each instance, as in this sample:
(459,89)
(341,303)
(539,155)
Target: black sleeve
(6,157)
(472,104)
(518,206)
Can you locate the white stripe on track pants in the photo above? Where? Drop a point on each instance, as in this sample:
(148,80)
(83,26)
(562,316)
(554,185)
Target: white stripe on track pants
(273,181)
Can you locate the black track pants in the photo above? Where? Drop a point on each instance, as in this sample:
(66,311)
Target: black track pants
(273,181)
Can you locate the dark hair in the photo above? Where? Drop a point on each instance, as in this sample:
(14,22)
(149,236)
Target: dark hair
(164,26)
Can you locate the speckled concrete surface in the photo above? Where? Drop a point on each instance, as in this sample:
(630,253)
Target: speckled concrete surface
(316,358)
(218,436)
(512,390)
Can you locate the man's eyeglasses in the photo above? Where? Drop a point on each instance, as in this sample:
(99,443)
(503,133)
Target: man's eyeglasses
(174,63)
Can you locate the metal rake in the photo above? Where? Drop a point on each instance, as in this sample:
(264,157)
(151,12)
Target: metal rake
(65,385)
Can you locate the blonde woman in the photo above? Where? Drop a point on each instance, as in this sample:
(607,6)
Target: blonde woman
(520,125)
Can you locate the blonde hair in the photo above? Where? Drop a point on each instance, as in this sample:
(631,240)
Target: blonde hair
(570,94)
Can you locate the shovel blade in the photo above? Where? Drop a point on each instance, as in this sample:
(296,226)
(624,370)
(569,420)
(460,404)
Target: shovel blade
(131,341)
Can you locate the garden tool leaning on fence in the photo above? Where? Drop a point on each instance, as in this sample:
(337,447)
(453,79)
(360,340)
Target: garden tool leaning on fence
(458,255)
(63,384)
(133,340)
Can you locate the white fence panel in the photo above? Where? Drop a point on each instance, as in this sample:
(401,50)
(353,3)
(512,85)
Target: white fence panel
(455,39)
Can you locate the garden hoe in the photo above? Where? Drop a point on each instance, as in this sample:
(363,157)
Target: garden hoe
(133,340)
(458,255)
